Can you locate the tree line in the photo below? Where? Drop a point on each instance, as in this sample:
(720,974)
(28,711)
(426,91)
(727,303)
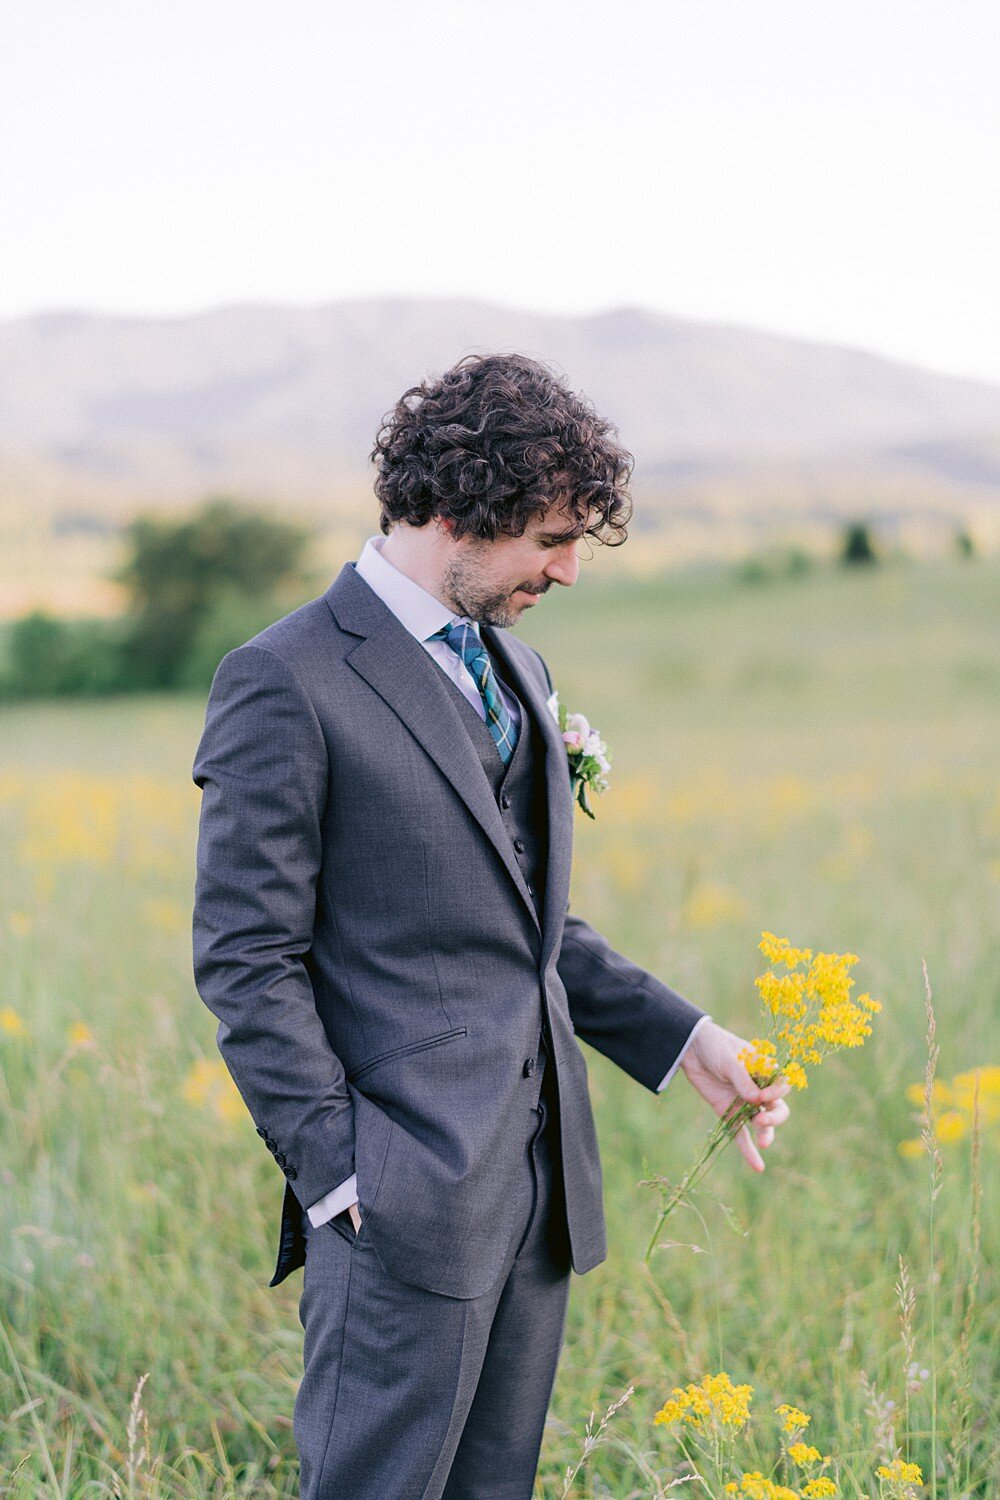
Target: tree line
(195,587)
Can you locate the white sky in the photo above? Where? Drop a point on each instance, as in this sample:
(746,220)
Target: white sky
(829,170)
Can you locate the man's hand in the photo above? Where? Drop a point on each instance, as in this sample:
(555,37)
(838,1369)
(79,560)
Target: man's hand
(711,1065)
(355,1217)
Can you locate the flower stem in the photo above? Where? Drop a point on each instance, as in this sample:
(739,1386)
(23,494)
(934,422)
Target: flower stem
(726,1130)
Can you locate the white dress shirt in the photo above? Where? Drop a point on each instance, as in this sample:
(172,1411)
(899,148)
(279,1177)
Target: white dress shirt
(422,614)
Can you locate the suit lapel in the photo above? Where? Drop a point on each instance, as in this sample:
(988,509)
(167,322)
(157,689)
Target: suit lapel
(399,669)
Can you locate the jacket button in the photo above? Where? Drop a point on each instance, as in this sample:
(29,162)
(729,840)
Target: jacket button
(519,845)
(291,1173)
(262,1133)
(529,1067)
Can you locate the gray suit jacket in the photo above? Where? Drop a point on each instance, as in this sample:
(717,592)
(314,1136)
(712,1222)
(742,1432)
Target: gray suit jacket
(364,934)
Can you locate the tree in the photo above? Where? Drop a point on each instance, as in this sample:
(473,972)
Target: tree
(180,572)
(857,548)
(965,544)
(48,656)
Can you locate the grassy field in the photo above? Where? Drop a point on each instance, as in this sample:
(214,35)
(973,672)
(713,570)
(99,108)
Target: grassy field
(817,757)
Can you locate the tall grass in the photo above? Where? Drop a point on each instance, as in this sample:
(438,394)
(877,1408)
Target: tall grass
(817,758)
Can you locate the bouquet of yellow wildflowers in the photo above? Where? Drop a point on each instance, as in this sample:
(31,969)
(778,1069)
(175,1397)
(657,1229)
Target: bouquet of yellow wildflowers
(811,1014)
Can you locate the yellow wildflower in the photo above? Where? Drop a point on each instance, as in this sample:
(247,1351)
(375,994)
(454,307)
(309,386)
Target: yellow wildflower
(955,1107)
(803,1453)
(20,923)
(210,1086)
(941,1094)
(792,1419)
(760,1058)
(80,1036)
(783,994)
(11,1023)
(780,951)
(755,1487)
(951,1127)
(900,1472)
(989,1081)
(168,916)
(796,1075)
(670,1411)
(813,1009)
(986,1099)
(709,905)
(820,1488)
(715,1400)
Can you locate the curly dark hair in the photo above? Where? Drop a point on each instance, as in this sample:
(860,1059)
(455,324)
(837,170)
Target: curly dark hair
(493,442)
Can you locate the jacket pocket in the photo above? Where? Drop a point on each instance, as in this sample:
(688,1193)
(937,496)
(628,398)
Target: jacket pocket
(406,1051)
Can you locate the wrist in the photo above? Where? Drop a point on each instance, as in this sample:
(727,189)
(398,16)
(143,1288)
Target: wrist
(694,1052)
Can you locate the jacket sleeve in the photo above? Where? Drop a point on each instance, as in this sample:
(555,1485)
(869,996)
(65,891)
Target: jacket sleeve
(262,766)
(618,1007)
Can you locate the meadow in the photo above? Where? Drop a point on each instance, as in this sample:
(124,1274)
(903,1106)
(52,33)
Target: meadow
(816,756)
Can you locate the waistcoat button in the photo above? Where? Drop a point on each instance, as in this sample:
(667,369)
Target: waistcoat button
(529,1067)
(519,845)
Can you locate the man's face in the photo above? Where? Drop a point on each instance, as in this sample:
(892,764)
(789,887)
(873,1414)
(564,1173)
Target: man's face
(496,581)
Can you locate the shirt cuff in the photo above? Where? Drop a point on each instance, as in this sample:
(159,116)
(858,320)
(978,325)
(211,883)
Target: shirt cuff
(677,1060)
(334,1202)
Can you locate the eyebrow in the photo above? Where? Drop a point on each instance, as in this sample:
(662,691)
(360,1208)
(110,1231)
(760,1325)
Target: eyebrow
(561,536)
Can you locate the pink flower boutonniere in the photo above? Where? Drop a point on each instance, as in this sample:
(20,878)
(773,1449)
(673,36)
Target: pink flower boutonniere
(586,752)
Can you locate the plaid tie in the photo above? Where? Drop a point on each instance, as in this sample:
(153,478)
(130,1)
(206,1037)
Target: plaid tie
(464,641)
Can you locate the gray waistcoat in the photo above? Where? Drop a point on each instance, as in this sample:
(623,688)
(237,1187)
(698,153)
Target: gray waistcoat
(518,787)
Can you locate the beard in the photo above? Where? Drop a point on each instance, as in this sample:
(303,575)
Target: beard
(471,594)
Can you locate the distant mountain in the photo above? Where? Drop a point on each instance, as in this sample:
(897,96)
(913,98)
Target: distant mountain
(284,402)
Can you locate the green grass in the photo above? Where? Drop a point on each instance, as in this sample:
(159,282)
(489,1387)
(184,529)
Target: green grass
(817,756)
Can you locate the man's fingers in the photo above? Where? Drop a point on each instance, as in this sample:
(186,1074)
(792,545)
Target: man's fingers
(752,1092)
(749,1151)
(744,1085)
(776,1090)
(774,1114)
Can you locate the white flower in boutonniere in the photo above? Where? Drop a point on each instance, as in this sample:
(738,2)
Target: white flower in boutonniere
(586,751)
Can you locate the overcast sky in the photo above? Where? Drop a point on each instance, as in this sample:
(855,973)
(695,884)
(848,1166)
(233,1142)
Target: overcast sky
(828,170)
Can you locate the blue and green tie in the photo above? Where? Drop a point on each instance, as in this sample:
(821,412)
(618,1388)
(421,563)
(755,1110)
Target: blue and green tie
(464,641)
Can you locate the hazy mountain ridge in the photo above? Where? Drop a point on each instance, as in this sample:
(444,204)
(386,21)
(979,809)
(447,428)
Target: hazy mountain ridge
(279,401)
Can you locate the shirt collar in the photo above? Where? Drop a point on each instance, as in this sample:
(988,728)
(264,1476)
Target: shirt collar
(420,612)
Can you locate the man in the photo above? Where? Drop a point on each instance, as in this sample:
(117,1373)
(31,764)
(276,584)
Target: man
(381,926)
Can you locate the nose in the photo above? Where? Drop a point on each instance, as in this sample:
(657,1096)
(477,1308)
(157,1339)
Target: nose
(564,568)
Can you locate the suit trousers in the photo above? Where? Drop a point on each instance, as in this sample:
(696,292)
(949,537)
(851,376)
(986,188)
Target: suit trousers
(411,1395)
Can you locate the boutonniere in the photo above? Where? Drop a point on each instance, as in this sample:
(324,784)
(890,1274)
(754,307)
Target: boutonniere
(586,753)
